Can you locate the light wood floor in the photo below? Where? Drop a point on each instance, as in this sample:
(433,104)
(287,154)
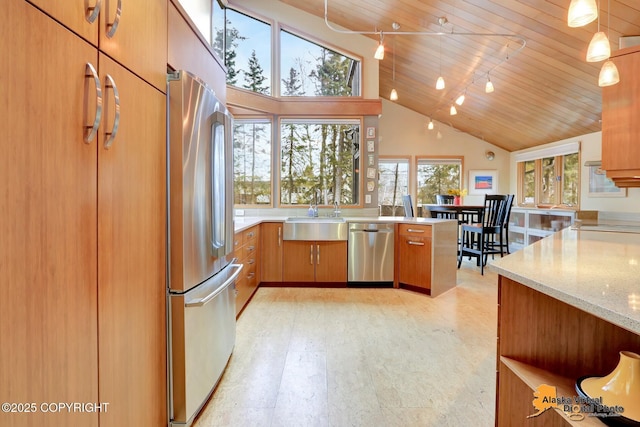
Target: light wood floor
(363,357)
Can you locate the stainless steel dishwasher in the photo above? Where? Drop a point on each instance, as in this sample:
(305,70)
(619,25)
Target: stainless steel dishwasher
(370,255)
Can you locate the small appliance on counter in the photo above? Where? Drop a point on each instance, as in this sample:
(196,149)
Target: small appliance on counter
(201,284)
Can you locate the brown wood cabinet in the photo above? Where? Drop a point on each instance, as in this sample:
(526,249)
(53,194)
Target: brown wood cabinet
(135,36)
(271,256)
(311,261)
(620,124)
(82,317)
(247,252)
(414,256)
(542,340)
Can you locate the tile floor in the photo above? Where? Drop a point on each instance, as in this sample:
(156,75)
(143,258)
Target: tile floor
(362,357)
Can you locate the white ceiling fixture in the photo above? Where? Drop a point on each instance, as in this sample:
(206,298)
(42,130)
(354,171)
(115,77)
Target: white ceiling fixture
(582,12)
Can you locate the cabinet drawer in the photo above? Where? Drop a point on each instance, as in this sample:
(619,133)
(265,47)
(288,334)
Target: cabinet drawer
(250,234)
(249,250)
(415,230)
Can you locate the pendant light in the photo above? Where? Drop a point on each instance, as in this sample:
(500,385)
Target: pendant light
(599,47)
(440,81)
(609,73)
(394,94)
(488,88)
(430,125)
(379,55)
(581,12)
(460,99)
(452,110)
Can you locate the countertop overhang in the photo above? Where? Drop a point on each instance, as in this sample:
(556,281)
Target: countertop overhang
(595,271)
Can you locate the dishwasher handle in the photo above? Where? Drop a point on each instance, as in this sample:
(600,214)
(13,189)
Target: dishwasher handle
(202,301)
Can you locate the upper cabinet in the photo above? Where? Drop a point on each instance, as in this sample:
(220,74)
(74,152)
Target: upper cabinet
(620,124)
(134,33)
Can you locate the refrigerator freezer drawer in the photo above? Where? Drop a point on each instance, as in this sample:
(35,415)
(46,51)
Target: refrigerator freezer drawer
(203,330)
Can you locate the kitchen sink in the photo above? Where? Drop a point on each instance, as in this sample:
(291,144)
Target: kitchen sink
(318,228)
(315,219)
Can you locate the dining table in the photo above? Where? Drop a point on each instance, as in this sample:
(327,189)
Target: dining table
(464,213)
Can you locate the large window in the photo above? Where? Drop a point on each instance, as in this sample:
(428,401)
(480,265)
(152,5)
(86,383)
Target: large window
(549,176)
(309,69)
(393,183)
(247,51)
(319,162)
(437,176)
(252,162)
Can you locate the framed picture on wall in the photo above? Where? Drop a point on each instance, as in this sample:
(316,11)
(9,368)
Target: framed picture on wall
(483,182)
(601,186)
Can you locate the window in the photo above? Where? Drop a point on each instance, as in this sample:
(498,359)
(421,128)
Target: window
(436,176)
(252,162)
(393,183)
(247,51)
(309,69)
(549,176)
(319,160)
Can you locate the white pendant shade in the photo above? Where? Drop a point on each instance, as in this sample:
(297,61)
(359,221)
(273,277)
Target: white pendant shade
(440,83)
(394,95)
(599,48)
(379,52)
(453,111)
(488,88)
(608,74)
(430,126)
(460,99)
(581,12)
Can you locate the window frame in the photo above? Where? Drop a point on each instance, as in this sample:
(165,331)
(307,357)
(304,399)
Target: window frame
(387,158)
(437,158)
(559,171)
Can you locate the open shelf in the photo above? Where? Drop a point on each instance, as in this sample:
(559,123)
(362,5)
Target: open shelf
(533,377)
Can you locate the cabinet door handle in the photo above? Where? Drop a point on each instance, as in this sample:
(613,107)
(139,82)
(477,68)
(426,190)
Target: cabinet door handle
(110,84)
(93,12)
(113,26)
(251,248)
(92,130)
(311,254)
(415,243)
(318,254)
(251,261)
(250,235)
(415,230)
(251,275)
(279,236)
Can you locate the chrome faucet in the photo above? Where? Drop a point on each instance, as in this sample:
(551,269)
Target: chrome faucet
(336,209)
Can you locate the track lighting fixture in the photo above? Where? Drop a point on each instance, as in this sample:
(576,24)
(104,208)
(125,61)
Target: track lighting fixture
(488,88)
(379,55)
(599,47)
(394,94)
(581,12)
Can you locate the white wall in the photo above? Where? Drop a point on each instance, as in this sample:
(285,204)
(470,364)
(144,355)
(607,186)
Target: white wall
(591,149)
(404,132)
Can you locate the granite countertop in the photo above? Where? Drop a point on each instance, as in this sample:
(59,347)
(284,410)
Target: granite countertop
(242,223)
(596,271)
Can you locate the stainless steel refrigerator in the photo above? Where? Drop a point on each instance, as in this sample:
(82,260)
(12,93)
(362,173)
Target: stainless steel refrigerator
(201,286)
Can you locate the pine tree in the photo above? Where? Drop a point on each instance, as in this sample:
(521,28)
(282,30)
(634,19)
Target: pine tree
(292,85)
(254,77)
(230,42)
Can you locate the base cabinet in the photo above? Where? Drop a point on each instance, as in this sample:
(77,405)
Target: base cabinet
(542,340)
(271,252)
(414,256)
(310,261)
(247,252)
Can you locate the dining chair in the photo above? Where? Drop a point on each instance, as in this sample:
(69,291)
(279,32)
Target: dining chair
(478,239)
(444,199)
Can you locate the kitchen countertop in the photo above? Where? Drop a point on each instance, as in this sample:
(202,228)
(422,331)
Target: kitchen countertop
(242,223)
(593,270)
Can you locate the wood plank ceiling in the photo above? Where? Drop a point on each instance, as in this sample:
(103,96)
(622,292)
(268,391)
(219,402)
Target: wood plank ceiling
(545,92)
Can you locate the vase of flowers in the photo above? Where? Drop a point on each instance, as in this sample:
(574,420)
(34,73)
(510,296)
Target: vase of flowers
(457,195)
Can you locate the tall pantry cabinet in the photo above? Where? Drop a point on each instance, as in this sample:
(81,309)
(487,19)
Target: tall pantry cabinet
(82,228)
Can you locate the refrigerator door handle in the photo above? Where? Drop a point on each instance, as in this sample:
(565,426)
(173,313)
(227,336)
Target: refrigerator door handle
(218,181)
(202,301)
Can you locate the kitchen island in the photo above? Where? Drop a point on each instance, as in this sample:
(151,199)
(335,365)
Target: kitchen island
(567,305)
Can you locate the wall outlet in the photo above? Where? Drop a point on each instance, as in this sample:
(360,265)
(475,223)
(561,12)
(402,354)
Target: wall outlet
(239,212)
(367,198)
